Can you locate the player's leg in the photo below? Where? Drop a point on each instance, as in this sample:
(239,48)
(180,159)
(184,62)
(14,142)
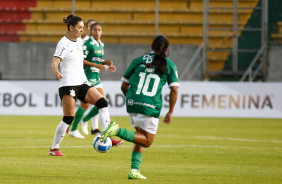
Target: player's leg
(94,97)
(94,123)
(94,111)
(78,116)
(142,138)
(68,103)
(136,159)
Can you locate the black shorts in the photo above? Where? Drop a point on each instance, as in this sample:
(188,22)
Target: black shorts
(77,92)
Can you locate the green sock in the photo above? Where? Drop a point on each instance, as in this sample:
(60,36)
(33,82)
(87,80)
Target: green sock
(126,134)
(136,159)
(78,115)
(93,112)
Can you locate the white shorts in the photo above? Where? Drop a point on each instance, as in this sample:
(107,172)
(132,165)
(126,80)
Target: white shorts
(98,86)
(147,123)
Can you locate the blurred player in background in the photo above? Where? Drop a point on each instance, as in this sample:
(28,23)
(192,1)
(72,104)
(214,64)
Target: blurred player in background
(73,83)
(142,85)
(88,34)
(93,50)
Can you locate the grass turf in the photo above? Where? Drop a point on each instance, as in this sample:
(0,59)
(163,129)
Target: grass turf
(190,150)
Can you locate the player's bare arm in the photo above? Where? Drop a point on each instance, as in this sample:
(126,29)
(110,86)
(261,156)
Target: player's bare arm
(54,67)
(99,66)
(124,87)
(172,101)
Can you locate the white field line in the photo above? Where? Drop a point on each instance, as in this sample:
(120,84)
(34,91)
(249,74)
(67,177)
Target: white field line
(238,139)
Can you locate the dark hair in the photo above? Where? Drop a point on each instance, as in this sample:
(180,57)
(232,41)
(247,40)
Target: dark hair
(92,25)
(90,20)
(159,46)
(71,20)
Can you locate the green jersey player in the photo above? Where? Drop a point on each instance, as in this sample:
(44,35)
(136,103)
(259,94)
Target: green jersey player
(142,86)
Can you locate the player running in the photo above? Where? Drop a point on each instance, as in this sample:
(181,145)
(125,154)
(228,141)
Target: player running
(142,85)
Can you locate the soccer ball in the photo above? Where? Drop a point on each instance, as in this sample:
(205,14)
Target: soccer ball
(102,147)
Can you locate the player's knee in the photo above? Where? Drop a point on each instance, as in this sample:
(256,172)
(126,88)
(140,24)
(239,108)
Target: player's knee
(84,105)
(68,119)
(101,103)
(147,144)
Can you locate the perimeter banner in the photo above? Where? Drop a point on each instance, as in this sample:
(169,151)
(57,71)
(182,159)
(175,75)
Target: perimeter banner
(195,99)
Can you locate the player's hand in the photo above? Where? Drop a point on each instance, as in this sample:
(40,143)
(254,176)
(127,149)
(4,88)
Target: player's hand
(109,62)
(102,67)
(58,76)
(112,68)
(168,118)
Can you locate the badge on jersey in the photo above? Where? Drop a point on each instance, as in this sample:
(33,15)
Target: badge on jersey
(72,93)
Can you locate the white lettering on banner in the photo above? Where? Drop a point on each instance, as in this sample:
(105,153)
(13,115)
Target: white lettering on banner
(225,101)
(195,99)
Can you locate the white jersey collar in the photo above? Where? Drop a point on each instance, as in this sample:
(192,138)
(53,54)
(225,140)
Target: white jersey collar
(95,42)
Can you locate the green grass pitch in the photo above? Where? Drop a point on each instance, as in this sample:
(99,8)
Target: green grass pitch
(190,150)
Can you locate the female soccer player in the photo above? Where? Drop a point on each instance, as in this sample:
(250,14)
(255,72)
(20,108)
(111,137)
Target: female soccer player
(73,83)
(142,85)
(88,23)
(93,50)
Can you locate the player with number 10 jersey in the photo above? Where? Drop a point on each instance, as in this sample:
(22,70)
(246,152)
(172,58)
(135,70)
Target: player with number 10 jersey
(144,94)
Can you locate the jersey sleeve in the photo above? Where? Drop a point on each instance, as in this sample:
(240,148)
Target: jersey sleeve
(129,71)
(172,78)
(60,51)
(86,50)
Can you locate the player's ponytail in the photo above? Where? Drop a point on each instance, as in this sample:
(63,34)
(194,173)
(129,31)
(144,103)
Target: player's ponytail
(71,20)
(159,46)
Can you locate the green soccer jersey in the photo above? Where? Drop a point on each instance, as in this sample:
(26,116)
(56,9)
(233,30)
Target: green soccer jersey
(93,52)
(144,94)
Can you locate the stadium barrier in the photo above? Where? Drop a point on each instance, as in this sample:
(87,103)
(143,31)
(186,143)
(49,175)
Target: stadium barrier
(195,99)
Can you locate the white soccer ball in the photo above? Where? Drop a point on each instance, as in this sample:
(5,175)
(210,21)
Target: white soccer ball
(102,147)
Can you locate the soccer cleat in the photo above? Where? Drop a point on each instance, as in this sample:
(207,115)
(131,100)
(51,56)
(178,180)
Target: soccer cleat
(55,152)
(84,127)
(110,131)
(76,134)
(116,142)
(96,132)
(136,175)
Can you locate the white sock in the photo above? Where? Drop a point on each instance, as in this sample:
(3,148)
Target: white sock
(95,122)
(59,134)
(104,118)
(134,170)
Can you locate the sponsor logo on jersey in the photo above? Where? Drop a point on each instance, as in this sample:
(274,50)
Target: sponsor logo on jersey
(96,59)
(94,69)
(130,102)
(148,58)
